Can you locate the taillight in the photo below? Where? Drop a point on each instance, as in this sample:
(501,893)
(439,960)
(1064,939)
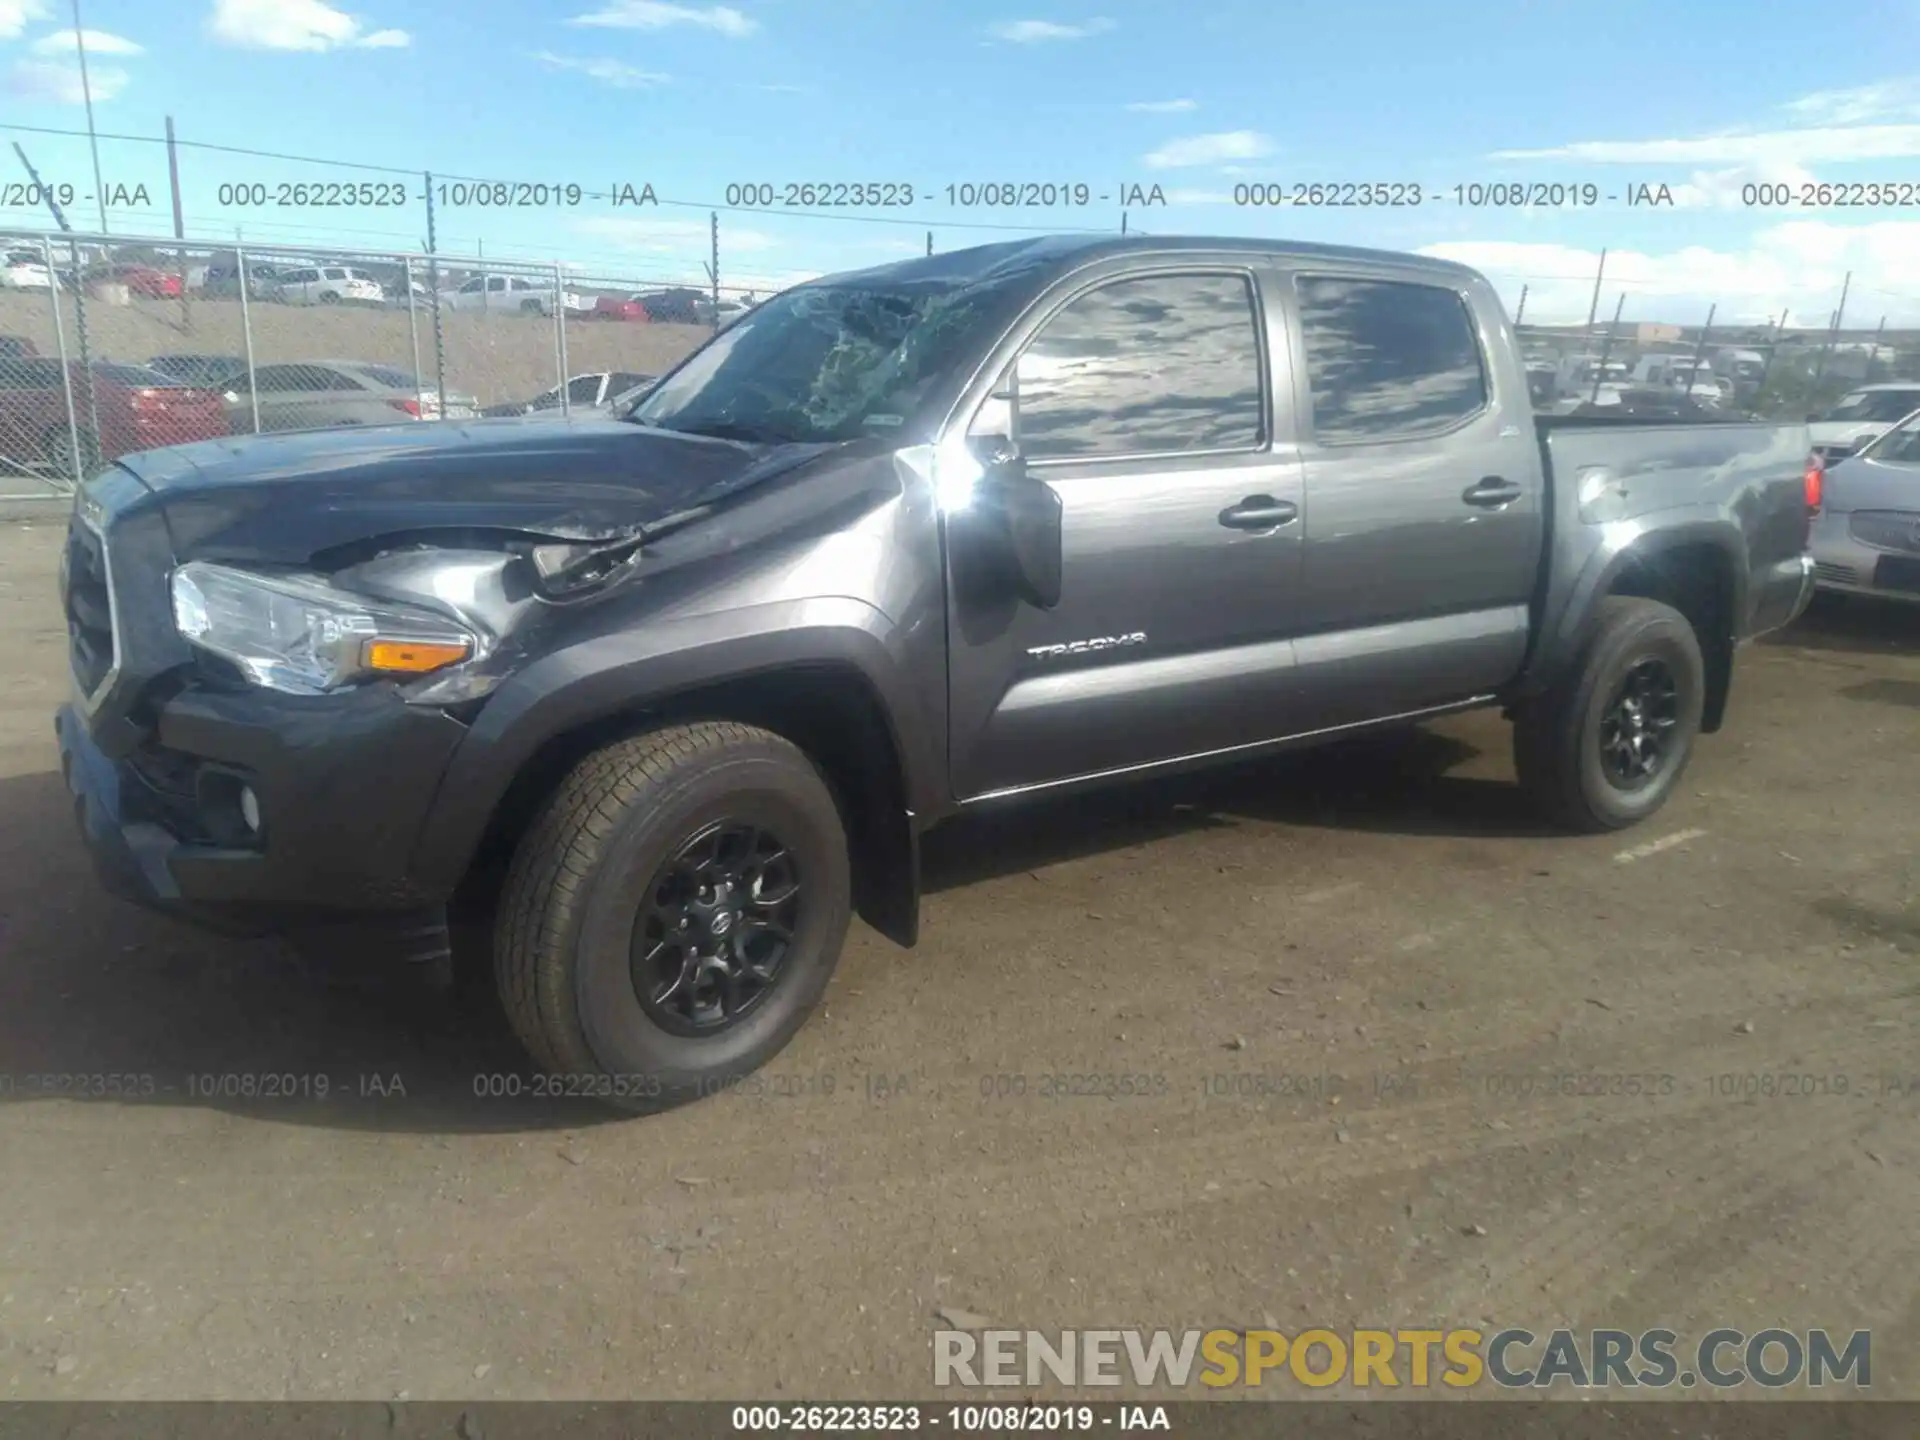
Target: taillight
(411,407)
(146,400)
(1815,482)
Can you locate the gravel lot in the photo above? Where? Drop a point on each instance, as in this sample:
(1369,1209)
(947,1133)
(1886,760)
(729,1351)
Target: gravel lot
(1336,974)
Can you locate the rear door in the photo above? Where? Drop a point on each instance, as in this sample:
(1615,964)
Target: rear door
(1143,396)
(1423,512)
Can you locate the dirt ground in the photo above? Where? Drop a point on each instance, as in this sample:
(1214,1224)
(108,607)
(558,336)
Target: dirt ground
(494,357)
(1339,976)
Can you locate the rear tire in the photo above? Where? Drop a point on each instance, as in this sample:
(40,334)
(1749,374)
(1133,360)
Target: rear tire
(1607,745)
(532,307)
(585,962)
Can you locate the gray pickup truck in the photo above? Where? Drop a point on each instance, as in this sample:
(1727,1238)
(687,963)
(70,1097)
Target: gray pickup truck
(664,697)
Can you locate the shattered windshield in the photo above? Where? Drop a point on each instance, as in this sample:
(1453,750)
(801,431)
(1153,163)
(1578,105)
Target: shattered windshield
(821,364)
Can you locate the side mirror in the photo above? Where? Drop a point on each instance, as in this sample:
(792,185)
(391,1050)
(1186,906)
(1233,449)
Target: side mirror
(1025,513)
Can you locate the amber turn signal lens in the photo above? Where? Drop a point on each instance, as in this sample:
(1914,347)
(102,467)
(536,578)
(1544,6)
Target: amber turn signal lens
(411,657)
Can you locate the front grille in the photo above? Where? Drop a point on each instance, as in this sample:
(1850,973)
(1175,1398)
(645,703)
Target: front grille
(89,606)
(1888,529)
(1834,574)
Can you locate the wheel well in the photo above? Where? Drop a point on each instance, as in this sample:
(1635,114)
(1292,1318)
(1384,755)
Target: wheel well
(1696,580)
(831,712)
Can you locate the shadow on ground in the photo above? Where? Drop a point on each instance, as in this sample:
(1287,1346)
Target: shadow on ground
(102,1000)
(1853,625)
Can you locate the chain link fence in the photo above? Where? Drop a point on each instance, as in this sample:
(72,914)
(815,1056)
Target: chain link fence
(114,344)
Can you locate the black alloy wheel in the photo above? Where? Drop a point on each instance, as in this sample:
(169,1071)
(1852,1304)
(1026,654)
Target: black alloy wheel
(1638,725)
(716,928)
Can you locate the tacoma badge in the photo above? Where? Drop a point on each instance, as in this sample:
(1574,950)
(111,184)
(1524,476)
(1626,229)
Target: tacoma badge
(1087,647)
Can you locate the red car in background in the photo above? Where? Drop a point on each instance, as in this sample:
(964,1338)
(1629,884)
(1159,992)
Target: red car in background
(140,279)
(138,409)
(619,307)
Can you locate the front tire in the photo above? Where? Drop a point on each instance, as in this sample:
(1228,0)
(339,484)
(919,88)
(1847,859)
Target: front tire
(674,913)
(1605,748)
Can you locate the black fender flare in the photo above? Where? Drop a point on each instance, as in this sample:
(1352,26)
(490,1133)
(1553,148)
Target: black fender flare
(1564,625)
(623,671)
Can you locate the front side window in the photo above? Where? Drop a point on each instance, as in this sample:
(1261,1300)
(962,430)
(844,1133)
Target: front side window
(1899,446)
(1156,365)
(1387,359)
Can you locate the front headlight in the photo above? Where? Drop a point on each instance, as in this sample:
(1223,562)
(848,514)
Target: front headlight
(299,634)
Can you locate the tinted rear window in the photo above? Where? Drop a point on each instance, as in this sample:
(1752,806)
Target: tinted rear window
(132,375)
(386,375)
(1388,358)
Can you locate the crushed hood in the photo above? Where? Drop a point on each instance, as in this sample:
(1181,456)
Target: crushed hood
(285,498)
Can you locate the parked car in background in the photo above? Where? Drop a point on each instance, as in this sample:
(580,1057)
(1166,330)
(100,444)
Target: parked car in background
(1866,538)
(209,370)
(620,307)
(397,292)
(315,394)
(1657,402)
(510,292)
(223,278)
(327,285)
(591,391)
(1862,415)
(138,409)
(139,279)
(25,270)
(677,306)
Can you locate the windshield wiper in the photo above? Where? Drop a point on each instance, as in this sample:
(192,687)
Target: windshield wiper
(732,430)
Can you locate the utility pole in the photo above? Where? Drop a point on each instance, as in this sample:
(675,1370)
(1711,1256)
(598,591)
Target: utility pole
(1606,349)
(1833,331)
(1693,370)
(1873,355)
(93,139)
(1593,308)
(433,280)
(173,179)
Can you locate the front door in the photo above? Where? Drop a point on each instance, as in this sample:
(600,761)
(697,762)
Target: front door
(1145,399)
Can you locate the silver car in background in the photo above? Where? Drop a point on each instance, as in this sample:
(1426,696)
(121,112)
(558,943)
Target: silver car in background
(318,394)
(1866,538)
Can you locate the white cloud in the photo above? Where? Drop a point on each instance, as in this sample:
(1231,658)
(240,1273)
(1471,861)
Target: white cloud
(61,84)
(666,237)
(1035,32)
(15,14)
(1882,100)
(1163,107)
(1725,189)
(1228,145)
(1798,265)
(99,42)
(293,25)
(608,72)
(1812,146)
(658,15)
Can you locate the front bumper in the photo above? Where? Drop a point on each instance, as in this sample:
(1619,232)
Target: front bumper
(342,786)
(1845,565)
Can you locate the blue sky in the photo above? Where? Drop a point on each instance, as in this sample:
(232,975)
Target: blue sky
(1196,98)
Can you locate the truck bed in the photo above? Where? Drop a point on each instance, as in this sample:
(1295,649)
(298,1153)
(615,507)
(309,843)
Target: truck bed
(1733,489)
